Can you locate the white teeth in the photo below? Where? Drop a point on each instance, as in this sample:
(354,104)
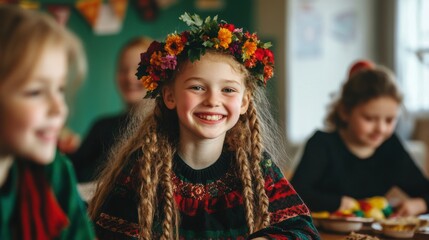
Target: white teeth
(211,117)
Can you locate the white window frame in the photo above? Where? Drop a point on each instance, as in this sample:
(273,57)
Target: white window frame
(412,53)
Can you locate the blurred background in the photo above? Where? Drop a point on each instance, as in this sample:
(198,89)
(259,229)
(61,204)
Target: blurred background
(315,41)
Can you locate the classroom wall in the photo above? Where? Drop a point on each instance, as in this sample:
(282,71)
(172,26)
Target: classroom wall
(98,96)
(324,38)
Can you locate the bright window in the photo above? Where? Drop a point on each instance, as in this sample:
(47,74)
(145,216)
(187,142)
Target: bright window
(412,53)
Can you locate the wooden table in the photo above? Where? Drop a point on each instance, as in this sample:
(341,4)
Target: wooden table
(339,236)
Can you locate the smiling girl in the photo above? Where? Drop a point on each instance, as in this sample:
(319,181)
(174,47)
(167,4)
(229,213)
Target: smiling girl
(38,196)
(202,165)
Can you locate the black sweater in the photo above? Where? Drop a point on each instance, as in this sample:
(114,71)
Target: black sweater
(328,170)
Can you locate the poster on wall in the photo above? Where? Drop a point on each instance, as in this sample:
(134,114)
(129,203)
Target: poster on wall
(105,18)
(89,9)
(308,32)
(344,26)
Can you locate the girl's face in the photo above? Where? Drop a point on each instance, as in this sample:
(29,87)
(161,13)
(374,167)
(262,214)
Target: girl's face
(131,90)
(209,96)
(371,123)
(33,113)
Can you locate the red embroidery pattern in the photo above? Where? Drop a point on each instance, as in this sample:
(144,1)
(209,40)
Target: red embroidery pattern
(293,211)
(223,186)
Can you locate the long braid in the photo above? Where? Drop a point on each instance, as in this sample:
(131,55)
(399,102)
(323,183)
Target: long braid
(246,179)
(146,191)
(170,222)
(256,155)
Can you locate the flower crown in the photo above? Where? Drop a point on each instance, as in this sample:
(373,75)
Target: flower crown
(160,60)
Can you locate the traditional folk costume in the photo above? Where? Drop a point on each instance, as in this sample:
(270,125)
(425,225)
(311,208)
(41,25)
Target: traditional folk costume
(210,203)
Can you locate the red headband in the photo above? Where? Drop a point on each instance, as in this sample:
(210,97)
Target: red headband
(361,65)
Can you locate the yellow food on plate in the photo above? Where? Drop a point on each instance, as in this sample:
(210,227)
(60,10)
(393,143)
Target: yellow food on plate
(376,208)
(375,213)
(401,224)
(378,202)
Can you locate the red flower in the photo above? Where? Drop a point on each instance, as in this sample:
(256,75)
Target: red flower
(269,54)
(154,46)
(259,54)
(155,76)
(228,26)
(184,36)
(250,63)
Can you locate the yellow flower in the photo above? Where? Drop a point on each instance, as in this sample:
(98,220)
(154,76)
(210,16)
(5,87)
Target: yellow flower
(225,37)
(249,48)
(148,83)
(155,59)
(174,44)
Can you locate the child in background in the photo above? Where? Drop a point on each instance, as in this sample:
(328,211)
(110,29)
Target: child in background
(202,165)
(38,196)
(361,156)
(101,137)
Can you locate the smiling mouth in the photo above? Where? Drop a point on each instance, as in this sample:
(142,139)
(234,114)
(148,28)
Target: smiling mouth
(214,117)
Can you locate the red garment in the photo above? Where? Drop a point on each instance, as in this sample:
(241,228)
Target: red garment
(41,216)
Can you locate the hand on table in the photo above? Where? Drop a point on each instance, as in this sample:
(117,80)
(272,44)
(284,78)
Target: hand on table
(411,207)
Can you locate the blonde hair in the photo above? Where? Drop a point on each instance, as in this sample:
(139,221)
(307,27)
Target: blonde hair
(157,137)
(361,87)
(24,35)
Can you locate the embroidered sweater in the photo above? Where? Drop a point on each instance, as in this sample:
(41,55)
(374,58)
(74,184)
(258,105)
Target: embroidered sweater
(210,203)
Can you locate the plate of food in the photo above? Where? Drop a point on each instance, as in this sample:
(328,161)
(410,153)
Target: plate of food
(363,211)
(401,227)
(342,224)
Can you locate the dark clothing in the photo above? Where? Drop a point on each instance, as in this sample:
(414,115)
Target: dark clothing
(95,148)
(210,203)
(328,170)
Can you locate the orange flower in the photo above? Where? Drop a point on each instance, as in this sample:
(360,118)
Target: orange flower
(268,73)
(249,48)
(148,83)
(155,59)
(225,37)
(174,44)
